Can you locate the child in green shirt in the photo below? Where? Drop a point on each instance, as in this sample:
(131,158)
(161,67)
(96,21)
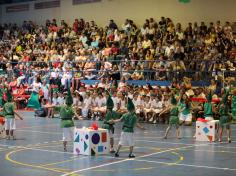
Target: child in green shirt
(225,118)
(174,117)
(127,135)
(8,111)
(110,115)
(67,114)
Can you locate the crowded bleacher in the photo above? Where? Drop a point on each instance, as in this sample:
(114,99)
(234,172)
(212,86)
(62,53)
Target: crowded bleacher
(57,56)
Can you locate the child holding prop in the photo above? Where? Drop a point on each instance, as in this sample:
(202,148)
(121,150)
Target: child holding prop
(66,114)
(127,135)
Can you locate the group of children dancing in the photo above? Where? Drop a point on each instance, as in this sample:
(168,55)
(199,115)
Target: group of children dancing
(179,110)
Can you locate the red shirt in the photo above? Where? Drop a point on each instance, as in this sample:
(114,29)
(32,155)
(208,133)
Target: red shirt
(114,50)
(111,37)
(76,26)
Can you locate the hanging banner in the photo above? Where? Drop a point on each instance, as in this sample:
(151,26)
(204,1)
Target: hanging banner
(76,2)
(17,8)
(48,4)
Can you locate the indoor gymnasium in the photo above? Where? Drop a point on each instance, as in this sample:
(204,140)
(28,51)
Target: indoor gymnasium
(117,87)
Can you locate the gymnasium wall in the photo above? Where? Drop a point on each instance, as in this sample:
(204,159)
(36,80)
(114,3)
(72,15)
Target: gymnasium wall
(119,10)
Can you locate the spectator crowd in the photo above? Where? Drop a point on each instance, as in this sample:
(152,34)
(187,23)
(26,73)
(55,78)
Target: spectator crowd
(57,56)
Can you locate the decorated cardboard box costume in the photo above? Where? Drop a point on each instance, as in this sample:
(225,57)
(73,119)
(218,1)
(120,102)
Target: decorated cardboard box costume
(206,130)
(91,142)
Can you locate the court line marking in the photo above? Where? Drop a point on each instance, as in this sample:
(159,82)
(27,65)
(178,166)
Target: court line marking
(121,161)
(41,132)
(116,135)
(37,147)
(44,150)
(225,147)
(46,168)
(64,161)
(164,142)
(58,170)
(188,165)
(8,158)
(179,143)
(38,126)
(48,132)
(210,151)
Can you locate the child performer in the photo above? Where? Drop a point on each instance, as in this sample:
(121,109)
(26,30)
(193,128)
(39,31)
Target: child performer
(209,108)
(224,117)
(8,111)
(185,116)
(67,124)
(127,135)
(110,115)
(174,119)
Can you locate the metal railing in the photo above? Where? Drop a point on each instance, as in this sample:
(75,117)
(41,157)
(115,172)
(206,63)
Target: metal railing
(197,70)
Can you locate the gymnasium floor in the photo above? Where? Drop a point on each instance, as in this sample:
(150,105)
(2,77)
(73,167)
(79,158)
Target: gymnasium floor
(38,152)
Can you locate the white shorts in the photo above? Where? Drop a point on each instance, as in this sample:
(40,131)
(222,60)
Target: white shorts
(84,112)
(10,124)
(126,139)
(111,135)
(156,110)
(68,134)
(147,110)
(209,118)
(186,118)
(137,111)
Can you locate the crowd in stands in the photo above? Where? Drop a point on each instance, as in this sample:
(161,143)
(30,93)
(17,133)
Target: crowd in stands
(57,56)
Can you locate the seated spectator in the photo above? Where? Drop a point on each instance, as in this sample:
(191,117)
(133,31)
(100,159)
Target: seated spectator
(137,74)
(60,99)
(121,103)
(42,111)
(87,103)
(53,102)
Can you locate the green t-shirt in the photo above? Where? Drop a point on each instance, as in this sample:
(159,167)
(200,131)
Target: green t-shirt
(109,116)
(233,105)
(66,115)
(186,108)
(208,110)
(130,120)
(174,111)
(224,110)
(1,97)
(8,110)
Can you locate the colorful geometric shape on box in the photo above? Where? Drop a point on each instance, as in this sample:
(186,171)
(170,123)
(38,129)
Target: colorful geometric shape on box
(95,138)
(93,152)
(206,130)
(210,138)
(77,138)
(104,137)
(100,148)
(85,146)
(86,136)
